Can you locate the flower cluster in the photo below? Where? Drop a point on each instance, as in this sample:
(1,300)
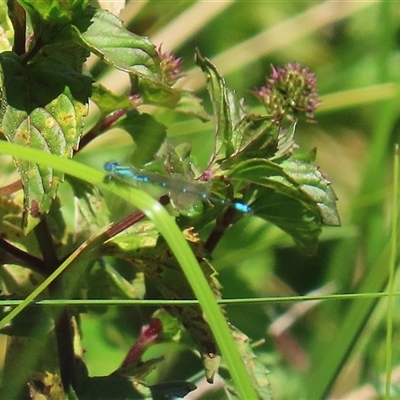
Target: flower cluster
(170,67)
(290,92)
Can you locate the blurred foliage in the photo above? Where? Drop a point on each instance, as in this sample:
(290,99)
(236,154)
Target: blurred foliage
(353,48)
(354,51)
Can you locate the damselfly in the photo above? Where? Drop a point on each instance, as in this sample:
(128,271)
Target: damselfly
(174,184)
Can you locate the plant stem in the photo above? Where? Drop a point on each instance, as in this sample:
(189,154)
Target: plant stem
(19,22)
(32,262)
(63,326)
(222,224)
(131,219)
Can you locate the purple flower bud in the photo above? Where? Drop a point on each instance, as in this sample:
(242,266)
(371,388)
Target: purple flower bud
(170,67)
(290,92)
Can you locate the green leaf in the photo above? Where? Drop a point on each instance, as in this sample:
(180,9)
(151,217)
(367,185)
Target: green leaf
(286,144)
(158,93)
(43,105)
(168,390)
(178,159)
(301,220)
(63,46)
(32,322)
(19,280)
(58,227)
(256,369)
(227,110)
(281,200)
(236,132)
(171,327)
(106,282)
(54,11)
(111,387)
(49,18)
(108,101)
(265,173)
(104,34)
(147,134)
(190,104)
(54,35)
(316,186)
(254,137)
(91,211)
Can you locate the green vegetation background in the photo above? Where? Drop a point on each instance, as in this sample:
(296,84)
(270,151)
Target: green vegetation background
(353,48)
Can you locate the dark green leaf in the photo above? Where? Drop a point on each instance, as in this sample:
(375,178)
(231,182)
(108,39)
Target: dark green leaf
(171,390)
(147,134)
(111,387)
(106,282)
(31,322)
(54,35)
(57,224)
(280,200)
(64,46)
(299,219)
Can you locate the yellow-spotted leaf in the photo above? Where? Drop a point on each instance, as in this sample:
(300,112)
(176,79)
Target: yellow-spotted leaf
(42,106)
